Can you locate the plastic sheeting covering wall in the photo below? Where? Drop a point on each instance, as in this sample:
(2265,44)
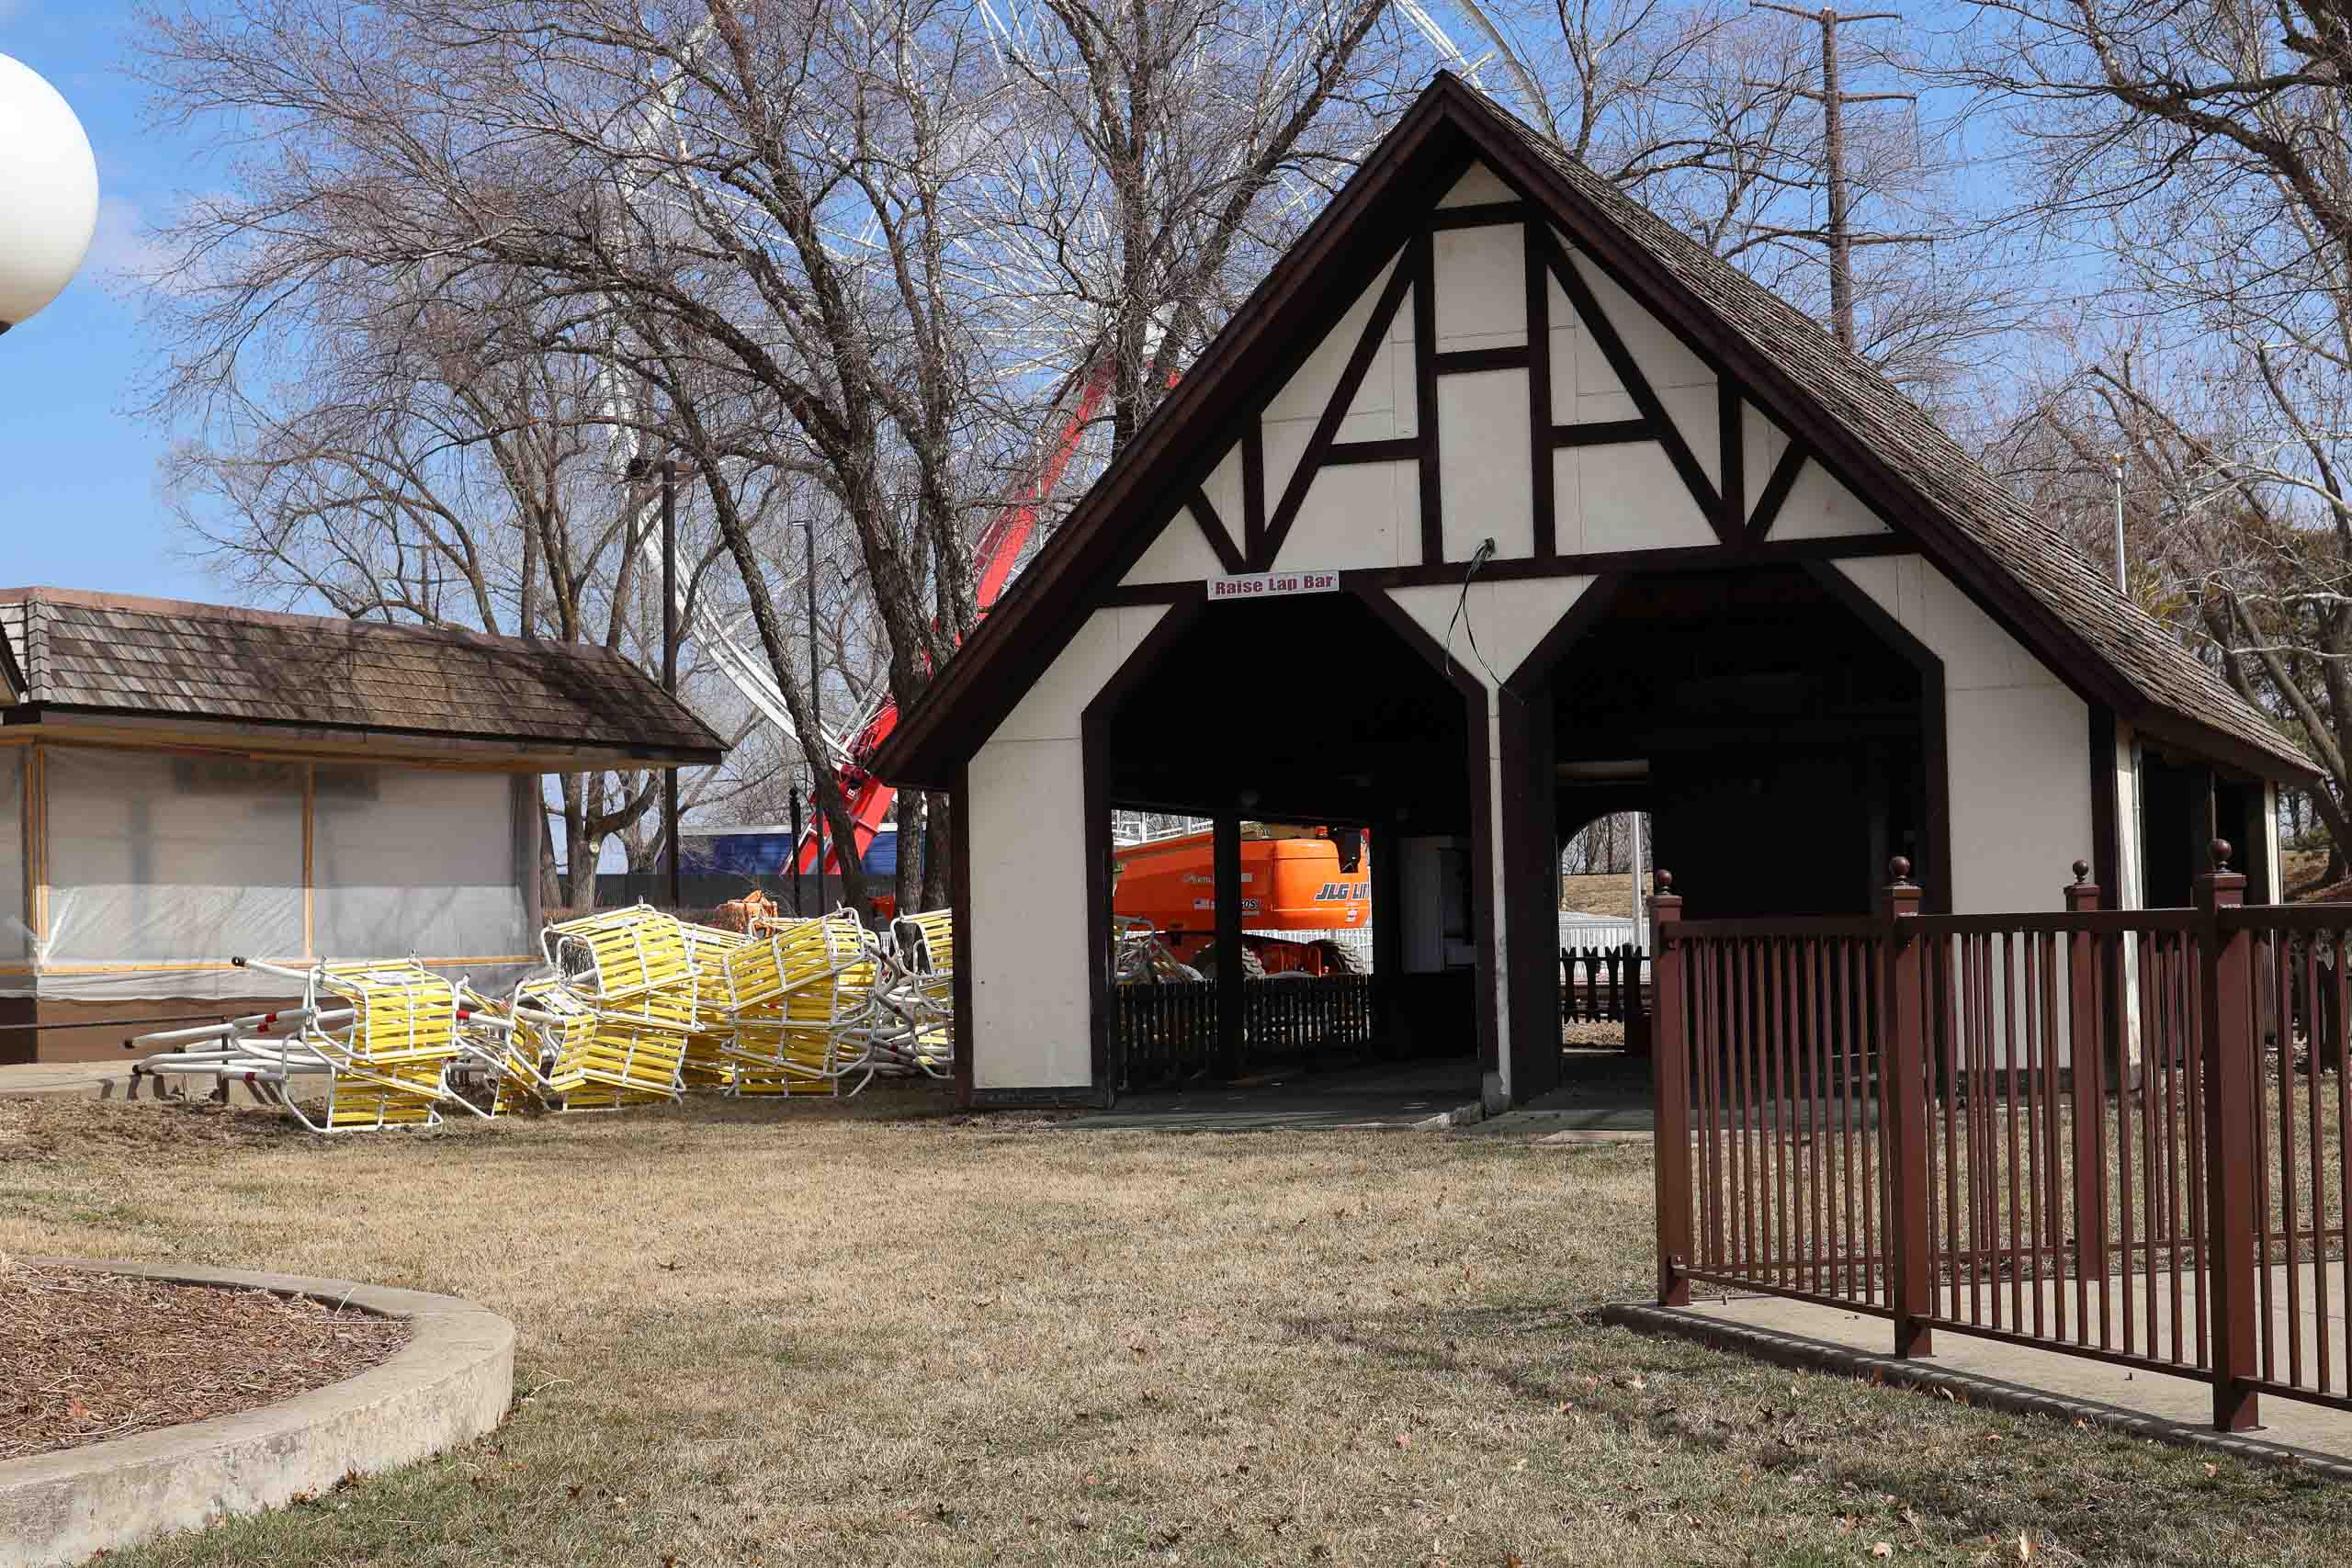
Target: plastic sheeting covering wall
(162,867)
(15,937)
(406,861)
(160,859)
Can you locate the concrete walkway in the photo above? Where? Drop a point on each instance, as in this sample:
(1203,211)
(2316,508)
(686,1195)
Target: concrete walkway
(1390,1095)
(1986,1371)
(89,1081)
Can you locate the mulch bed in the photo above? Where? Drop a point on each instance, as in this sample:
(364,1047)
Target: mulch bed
(95,1356)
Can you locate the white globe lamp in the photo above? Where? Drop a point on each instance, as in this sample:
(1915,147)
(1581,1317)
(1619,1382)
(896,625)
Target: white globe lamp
(49,193)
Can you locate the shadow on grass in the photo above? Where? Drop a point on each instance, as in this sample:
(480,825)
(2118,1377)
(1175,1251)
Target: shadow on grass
(1939,1467)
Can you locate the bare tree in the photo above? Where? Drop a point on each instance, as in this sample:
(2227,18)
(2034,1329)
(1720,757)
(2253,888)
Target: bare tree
(2206,151)
(1711,113)
(1167,153)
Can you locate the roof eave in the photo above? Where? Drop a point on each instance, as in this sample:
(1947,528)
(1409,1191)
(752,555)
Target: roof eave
(85,720)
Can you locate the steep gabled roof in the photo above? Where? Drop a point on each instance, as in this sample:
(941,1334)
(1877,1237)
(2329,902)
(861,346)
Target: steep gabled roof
(1870,434)
(91,654)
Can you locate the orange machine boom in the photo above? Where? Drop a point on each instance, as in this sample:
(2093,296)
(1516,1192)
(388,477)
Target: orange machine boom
(1292,880)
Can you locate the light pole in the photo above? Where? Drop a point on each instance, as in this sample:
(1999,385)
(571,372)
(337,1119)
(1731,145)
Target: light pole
(48,189)
(668,470)
(816,713)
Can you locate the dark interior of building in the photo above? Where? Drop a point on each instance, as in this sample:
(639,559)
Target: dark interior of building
(1778,741)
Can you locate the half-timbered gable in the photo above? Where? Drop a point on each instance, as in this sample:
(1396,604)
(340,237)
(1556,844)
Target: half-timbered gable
(1501,504)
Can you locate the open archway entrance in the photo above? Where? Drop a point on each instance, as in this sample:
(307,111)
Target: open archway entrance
(1782,734)
(1313,727)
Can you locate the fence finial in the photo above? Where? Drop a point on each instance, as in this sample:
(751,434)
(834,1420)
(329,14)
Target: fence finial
(2082,872)
(2221,851)
(1898,871)
(1665,880)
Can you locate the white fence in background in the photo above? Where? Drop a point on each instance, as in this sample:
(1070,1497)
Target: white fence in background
(1602,930)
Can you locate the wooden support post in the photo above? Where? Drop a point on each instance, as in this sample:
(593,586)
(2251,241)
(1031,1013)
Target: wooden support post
(1902,1066)
(2229,1050)
(1670,1097)
(1387,847)
(2086,1098)
(1226,852)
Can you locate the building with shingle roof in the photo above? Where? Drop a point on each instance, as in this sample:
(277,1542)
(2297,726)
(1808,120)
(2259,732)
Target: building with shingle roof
(185,783)
(1501,504)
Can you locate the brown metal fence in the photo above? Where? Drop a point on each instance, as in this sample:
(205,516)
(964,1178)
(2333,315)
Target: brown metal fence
(2121,1135)
(1168,1032)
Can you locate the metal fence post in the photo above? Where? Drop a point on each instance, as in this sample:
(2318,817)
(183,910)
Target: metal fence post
(2228,1047)
(1671,1093)
(1902,1045)
(2086,1091)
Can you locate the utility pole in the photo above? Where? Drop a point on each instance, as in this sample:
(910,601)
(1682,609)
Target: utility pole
(1833,99)
(638,471)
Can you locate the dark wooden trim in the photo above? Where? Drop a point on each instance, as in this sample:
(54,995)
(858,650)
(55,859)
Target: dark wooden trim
(1524,748)
(1253,490)
(1681,557)
(1424,262)
(1400,449)
(1473,361)
(959,899)
(1482,815)
(1479,215)
(1545,507)
(1224,881)
(1094,751)
(1896,499)
(1673,557)
(2106,834)
(1213,528)
(1327,428)
(1776,491)
(1935,878)
(1603,433)
(1731,438)
(1594,603)
(1636,385)
(1388,935)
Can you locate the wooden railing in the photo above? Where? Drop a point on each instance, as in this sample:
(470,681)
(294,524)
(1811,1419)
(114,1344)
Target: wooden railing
(1168,1034)
(1601,985)
(2122,1134)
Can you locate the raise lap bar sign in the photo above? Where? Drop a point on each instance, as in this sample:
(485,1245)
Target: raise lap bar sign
(1269,584)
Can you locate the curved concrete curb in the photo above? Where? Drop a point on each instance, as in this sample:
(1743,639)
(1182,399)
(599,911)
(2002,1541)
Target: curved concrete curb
(449,1384)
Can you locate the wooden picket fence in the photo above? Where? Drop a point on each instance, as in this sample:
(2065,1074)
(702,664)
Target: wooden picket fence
(1167,1034)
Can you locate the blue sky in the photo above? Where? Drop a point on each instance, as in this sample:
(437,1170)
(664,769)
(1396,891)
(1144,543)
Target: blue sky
(79,485)
(78,489)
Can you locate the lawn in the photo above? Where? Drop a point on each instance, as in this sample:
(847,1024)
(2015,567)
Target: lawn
(881,1334)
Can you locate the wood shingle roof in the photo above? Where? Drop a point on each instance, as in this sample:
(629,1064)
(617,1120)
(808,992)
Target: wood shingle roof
(89,653)
(1877,442)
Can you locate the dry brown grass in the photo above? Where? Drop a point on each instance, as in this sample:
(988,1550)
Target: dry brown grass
(799,1335)
(1608,894)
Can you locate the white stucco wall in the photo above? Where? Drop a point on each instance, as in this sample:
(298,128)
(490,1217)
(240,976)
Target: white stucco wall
(1031,1008)
(1509,619)
(2016,744)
